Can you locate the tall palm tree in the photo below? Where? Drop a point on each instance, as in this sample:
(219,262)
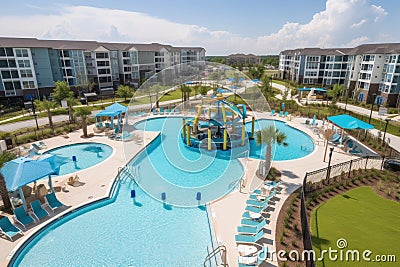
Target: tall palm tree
(71,102)
(4,158)
(47,106)
(83,112)
(269,136)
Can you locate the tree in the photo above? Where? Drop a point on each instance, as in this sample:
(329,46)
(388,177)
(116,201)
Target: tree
(61,91)
(124,91)
(268,136)
(47,105)
(4,158)
(204,89)
(71,102)
(185,89)
(83,112)
(335,92)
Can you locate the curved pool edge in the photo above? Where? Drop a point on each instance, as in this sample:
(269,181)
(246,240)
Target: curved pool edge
(110,194)
(91,204)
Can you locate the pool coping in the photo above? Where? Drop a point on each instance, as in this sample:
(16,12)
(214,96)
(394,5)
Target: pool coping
(12,256)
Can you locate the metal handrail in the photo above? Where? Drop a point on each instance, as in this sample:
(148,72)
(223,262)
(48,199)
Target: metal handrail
(212,254)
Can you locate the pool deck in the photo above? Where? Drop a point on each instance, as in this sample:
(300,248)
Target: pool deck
(97,184)
(226,212)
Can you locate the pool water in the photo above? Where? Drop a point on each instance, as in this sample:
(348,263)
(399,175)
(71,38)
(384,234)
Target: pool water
(122,233)
(182,172)
(299,143)
(87,155)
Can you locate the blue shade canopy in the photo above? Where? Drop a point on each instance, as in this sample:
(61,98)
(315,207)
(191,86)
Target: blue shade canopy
(105,113)
(309,89)
(24,170)
(117,107)
(348,122)
(255,80)
(55,161)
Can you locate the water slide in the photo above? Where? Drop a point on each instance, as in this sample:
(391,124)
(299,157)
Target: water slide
(235,109)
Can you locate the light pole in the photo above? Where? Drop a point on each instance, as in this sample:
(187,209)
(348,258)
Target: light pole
(384,134)
(34,113)
(328,171)
(372,107)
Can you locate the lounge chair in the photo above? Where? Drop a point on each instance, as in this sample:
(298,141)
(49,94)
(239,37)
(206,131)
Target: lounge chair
(38,211)
(247,229)
(250,222)
(8,229)
(254,209)
(167,111)
(42,144)
(257,203)
(249,238)
(247,216)
(246,261)
(273,183)
(285,114)
(273,112)
(52,202)
(22,217)
(335,138)
(281,113)
(161,111)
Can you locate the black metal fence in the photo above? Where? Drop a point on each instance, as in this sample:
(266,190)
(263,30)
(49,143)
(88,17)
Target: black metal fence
(318,179)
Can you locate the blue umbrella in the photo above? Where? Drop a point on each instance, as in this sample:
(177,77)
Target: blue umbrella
(24,170)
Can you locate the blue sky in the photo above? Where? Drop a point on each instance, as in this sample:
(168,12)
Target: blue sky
(222,26)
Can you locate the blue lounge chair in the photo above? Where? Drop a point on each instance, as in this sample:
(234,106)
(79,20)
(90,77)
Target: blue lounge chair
(167,111)
(249,222)
(273,183)
(177,111)
(38,211)
(273,112)
(246,229)
(161,111)
(281,113)
(42,144)
(52,201)
(335,138)
(8,229)
(257,203)
(285,114)
(154,111)
(22,217)
(249,238)
(246,216)
(254,209)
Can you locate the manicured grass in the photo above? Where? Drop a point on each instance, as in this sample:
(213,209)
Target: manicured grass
(364,219)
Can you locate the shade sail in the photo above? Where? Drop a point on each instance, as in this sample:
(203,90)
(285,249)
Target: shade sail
(24,170)
(55,161)
(117,107)
(348,122)
(309,89)
(105,113)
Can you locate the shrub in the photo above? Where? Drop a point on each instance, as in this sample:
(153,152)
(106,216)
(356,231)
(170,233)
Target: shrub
(282,239)
(294,244)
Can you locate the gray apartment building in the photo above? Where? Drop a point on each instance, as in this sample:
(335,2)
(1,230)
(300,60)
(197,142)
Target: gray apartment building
(29,66)
(365,70)
(243,59)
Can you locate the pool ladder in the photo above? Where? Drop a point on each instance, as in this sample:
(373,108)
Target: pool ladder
(123,172)
(217,257)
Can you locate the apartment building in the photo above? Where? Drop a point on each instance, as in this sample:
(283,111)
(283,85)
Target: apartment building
(243,59)
(29,67)
(369,72)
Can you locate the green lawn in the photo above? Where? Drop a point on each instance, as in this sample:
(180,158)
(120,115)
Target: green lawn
(364,219)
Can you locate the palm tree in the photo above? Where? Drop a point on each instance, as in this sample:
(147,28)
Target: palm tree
(47,106)
(83,112)
(4,158)
(335,92)
(71,102)
(268,136)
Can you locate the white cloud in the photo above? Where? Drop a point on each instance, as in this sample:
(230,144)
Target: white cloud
(339,24)
(358,41)
(358,24)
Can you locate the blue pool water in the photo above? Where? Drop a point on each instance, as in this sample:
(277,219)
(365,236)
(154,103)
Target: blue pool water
(299,143)
(87,155)
(122,233)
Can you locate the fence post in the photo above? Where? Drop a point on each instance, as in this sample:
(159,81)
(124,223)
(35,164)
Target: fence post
(366,162)
(351,163)
(383,162)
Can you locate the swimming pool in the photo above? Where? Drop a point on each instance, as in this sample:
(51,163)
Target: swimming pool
(299,143)
(87,155)
(181,172)
(119,232)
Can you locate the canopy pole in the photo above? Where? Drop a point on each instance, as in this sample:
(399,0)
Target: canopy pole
(51,184)
(21,194)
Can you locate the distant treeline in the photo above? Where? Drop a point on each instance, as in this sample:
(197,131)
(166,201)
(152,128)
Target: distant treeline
(265,60)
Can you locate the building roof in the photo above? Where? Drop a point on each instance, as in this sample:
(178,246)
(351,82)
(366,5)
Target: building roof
(85,45)
(386,48)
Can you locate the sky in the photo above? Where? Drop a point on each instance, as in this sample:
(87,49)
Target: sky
(222,27)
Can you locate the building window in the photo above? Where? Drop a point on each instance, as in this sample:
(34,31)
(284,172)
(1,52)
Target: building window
(21,52)
(26,73)
(28,84)
(24,63)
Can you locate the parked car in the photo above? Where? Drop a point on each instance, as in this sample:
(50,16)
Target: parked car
(392,164)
